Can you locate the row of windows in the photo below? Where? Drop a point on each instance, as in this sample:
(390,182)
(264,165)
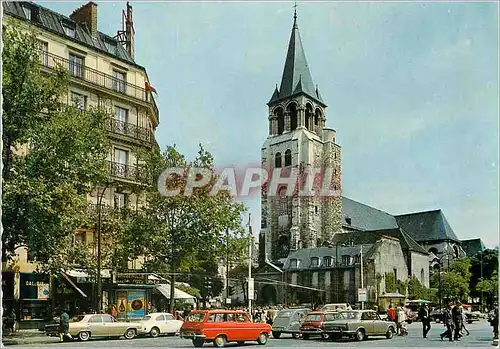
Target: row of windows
(80,101)
(327,261)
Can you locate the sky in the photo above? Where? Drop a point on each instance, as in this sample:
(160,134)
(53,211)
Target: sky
(411,88)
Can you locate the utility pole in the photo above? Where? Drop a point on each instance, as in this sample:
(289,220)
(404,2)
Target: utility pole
(250,280)
(227,265)
(361,266)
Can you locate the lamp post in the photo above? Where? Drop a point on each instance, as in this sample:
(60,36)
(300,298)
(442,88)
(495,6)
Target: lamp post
(99,283)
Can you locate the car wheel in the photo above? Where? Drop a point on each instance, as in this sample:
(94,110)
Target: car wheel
(84,336)
(295,335)
(276,335)
(305,336)
(220,341)
(198,342)
(390,333)
(241,342)
(155,332)
(334,337)
(129,334)
(325,336)
(469,321)
(360,334)
(262,340)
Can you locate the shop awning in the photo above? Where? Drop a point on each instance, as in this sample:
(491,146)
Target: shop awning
(74,285)
(76,273)
(392,295)
(164,289)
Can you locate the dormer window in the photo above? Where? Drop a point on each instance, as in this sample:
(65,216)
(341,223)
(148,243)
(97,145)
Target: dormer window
(327,261)
(346,260)
(314,262)
(28,12)
(69,29)
(294,263)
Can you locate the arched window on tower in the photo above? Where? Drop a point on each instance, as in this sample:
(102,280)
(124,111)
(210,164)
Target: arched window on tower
(281,120)
(309,117)
(277,160)
(288,157)
(317,117)
(292,108)
(422,275)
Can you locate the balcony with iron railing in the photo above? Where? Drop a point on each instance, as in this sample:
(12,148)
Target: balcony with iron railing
(131,130)
(124,171)
(98,78)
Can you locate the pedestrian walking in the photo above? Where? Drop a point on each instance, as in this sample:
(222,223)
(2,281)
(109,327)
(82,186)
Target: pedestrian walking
(464,320)
(424,316)
(401,322)
(448,322)
(457,320)
(391,313)
(64,326)
(493,320)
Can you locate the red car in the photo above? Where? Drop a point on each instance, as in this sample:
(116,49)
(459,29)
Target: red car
(313,324)
(223,326)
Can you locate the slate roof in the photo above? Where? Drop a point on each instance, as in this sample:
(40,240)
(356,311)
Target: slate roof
(372,236)
(53,22)
(473,246)
(296,75)
(364,217)
(427,226)
(305,254)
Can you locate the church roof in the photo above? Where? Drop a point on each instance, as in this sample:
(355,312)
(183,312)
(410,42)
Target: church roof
(372,236)
(296,75)
(427,226)
(364,217)
(473,246)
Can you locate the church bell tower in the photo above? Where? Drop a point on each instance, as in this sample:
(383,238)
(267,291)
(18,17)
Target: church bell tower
(299,141)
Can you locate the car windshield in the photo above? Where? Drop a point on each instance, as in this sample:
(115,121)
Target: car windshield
(285,313)
(334,316)
(197,317)
(313,317)
(350,315)
(146,318)
(77,318)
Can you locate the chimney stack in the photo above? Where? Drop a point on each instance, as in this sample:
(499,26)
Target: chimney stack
(129,31)
(87,14)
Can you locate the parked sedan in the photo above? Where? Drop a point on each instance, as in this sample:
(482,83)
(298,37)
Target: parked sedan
(289,321)
(314,323)
(101,325)
(155,324)
(359,324)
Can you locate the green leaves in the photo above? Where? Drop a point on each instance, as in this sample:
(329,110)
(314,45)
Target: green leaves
(45,189)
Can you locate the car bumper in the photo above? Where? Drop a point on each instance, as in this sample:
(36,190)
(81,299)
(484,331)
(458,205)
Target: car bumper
(341,332)
(284,330)
(192,335)
(313,331)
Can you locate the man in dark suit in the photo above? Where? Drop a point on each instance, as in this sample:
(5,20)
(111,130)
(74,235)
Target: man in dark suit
(448,322)
(424,316)
(458,318)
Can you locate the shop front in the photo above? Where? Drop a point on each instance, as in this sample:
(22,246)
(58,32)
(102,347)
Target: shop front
(34,305)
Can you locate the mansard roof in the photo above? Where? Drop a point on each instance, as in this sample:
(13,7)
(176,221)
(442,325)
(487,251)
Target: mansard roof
(296,75)
(427,226)
(53,22)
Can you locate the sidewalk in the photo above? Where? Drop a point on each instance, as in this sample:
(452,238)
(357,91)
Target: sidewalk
(27,337)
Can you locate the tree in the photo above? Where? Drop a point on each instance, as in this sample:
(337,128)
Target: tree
(45,190)
(488,287)
(182,228)
(484,265)
(455,280)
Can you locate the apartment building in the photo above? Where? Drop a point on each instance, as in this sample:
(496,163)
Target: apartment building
(103,73)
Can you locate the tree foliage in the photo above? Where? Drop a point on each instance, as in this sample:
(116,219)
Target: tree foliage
(180,232)
(455,280)
(45,189)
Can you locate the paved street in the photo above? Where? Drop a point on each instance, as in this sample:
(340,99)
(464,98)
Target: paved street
(481,336)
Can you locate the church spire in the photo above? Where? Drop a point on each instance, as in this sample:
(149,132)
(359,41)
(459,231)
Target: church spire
(296,75)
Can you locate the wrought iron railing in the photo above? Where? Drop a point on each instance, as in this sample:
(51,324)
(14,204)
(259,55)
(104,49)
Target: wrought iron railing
(97,77)
(125,171)
(128,129)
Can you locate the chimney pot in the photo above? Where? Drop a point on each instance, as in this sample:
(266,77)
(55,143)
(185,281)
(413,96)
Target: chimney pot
(87,15)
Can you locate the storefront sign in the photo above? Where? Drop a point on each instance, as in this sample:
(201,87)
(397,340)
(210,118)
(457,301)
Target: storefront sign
(362,295)
(34,286)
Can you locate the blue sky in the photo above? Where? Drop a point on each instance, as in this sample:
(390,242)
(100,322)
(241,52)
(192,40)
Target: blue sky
(411,88)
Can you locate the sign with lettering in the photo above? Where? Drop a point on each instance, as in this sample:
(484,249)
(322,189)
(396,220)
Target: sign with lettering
(34,286)
(362,295)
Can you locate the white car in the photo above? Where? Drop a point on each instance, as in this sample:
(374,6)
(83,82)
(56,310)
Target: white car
(155,324)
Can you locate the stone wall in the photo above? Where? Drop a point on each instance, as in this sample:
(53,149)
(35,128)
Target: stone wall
(420,267)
